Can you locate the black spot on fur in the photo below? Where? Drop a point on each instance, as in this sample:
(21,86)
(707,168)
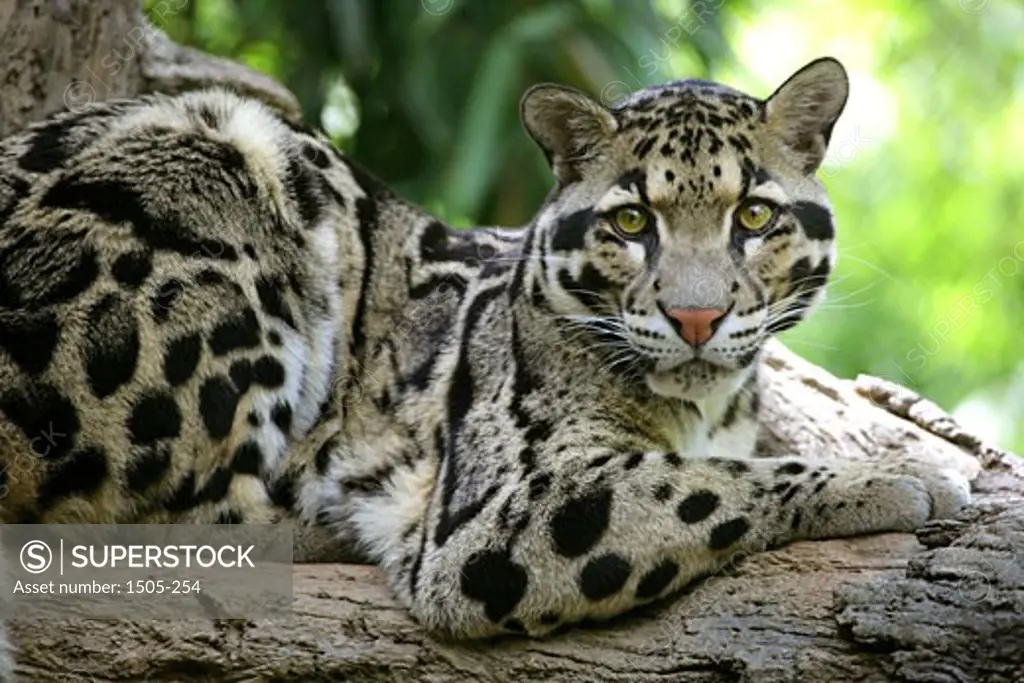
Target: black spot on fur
(29,338)
(539,485)
(241,375)
(281,415)
(247,459)
(186,497)
(550,618)
(111,346)
(147,466)
(599,461)
(282,491)
(803,277)
(592,281)
(673,459)
(217,403)
(591,298)
(366,212)
(643,148)
(698,506)
(301,182)
(132,269)
(181,359)
(82,473)
(790,468)
(268,371)
(663,492)
(815,220)
(460,398)
(581,522)
(736,468)
(728,533)
(48,146)
(571,231)
(514,625)
(156,416)
(208,277)
(492,578)
(216,487)
(433,242)
(238,331)
(117,202)
(788,496)
(635,179)
(271,295)
(730,412)
(47,418)
(633,461)
(164,298)
(604,576)
(208,117)
(38,272)
(315,156)
(323,455)
(657,580)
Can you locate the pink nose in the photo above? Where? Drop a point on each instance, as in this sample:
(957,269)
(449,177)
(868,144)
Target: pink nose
(696,325)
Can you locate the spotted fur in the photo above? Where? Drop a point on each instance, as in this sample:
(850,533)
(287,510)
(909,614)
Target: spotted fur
(209,314)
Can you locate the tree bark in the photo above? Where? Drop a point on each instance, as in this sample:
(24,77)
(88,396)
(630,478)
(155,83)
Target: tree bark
(67,54)
(944,605)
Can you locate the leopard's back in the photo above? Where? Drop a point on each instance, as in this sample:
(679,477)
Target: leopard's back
(170,295)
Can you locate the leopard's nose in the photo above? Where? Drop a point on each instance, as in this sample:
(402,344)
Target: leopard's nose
(696,325)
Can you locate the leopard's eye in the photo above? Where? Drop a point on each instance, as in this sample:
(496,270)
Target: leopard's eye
(754,215)
(631,220)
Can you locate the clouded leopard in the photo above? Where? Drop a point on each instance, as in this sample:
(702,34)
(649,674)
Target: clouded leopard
(224,319)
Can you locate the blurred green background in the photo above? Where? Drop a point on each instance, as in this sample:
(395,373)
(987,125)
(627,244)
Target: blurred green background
(926,169)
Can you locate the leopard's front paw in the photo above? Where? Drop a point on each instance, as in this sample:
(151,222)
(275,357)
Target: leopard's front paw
(913,494)
(948,490)
(895,497)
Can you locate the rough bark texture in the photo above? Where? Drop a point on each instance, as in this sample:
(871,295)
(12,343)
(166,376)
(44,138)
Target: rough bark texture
(57,54)
(947,605)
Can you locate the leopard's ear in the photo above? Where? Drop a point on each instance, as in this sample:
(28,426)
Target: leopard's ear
(804,109)
(568,126)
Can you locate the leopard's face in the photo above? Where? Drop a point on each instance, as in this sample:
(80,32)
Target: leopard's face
(688,226)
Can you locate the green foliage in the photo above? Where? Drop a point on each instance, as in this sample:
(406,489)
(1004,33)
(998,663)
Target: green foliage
(925,169)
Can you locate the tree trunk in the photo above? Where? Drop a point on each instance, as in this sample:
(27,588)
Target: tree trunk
(57,54)
(946,605)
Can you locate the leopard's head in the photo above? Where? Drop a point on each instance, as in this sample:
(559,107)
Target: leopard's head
(687,224)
